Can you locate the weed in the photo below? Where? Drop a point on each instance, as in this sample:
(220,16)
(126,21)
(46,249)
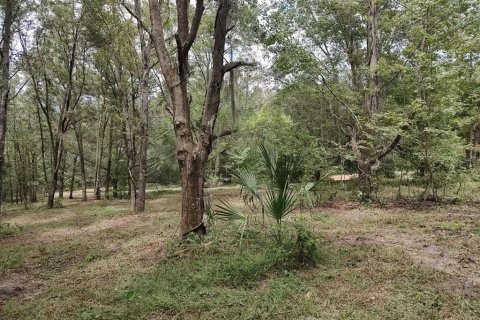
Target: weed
(9,229)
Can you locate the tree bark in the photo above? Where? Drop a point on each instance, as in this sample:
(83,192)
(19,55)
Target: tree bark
(4,86)
(108,173)
(143,112)
(61,176)
(72,179)
(99,155)
(57,153)
(78,135)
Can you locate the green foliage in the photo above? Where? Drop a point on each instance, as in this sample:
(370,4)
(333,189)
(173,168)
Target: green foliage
(8,229)
(247,181)
(280,203)
(229,213)
(306,194)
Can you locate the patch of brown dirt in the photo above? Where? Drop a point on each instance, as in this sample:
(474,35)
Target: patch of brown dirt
(463,266)
(72,232)
(19,285)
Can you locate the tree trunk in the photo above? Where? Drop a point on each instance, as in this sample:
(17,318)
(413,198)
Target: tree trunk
(99,156)
(116,173)
(33,182)
(42,148)
(57,155)
(232,94)
(61,176)
(108,173)
(4,86)
(192,154)
(193,205)
(72,179)
(365,179)
(78,134)
(143,112)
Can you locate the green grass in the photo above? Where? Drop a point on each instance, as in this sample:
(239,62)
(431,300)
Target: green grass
(8,229)
(96,261)
(216,284)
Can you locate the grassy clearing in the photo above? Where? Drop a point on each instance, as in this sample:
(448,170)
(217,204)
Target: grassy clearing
(96,261)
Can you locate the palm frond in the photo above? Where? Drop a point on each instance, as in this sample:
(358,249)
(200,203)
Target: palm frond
(280,203)
(247,180)
(270,159)
(282,173)
(227,212)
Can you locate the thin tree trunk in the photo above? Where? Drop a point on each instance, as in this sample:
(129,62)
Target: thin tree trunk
(108,173)
(61,176)
(232,94)
(116,173)
(78,134)
(33,182)
(139,204)
(42,148)
(99,156)
(56,160)
(72,179)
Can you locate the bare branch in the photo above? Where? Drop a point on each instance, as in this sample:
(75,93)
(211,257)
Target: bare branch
(197,18)
(137,17)
(235,64)
(223,134)
(381,154)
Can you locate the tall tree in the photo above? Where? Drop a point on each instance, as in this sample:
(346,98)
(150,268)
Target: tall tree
(4,84)
(193,146)
(57,67)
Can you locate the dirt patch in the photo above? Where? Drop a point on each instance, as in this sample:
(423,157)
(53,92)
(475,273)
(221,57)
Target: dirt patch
(356,240)
(463,266)
(73,232)
(19,285)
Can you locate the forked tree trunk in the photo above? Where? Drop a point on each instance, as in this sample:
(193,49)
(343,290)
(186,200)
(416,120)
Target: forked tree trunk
(192,154)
